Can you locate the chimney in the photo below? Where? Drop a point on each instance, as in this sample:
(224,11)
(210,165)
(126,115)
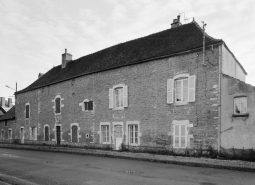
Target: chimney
(40,75)
(66,58)
(2,100)
(176,22)
(9,102)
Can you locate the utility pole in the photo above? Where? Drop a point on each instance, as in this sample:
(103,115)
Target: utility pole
(204,25)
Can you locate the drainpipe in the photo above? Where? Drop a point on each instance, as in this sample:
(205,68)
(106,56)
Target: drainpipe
(219,105)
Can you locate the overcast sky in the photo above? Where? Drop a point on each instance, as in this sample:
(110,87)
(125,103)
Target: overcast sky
(34,33)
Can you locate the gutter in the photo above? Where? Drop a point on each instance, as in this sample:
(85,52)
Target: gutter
(138,62)
(219,100)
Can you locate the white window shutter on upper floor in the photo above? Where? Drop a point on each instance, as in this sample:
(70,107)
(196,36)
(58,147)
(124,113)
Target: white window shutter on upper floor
(170,90)
(110,98)
(192,88)
(125,96)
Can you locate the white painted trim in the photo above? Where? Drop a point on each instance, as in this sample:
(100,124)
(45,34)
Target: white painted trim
(180,122)
(2,136)
(22,141)
(46,125)
(60,106)
(100,132)
(184,75)
(127,134)
(114,97)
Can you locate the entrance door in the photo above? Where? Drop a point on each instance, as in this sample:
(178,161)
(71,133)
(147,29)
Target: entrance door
(46,132)
(74,133)
(58,134)
(118,136)
(2,134)
(22,135)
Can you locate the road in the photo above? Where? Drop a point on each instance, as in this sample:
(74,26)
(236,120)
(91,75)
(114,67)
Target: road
(59,168)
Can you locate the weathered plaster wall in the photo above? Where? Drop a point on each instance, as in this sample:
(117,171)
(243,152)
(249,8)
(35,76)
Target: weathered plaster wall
(147,92)
(230,66)
(237,132)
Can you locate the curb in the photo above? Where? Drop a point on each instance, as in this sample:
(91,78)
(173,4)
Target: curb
(9,180)
(131,156)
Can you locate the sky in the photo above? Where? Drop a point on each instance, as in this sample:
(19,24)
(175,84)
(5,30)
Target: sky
(35,33)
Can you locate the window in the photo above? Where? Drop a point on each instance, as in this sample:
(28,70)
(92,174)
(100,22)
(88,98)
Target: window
(180,136)
(88,105)
(46,133)
(74,133)
(5,123)
(181,89)
(118,97)
(240,105)
(105,133)
(57,105)
(27,111)
(33,133)
(2,134)
(10,134)
(133,134)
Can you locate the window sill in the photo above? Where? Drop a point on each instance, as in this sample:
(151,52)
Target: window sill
(119,108)
(241,115)
(181,103)
(106,143)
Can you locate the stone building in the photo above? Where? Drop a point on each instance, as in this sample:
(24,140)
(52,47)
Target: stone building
(6,125)
(158,90)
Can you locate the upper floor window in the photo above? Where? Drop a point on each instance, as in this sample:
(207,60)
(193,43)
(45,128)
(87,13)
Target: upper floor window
(118,97)
(240,105)
(88,105)
(5,123)
(27,111)
(57,105)
(181,89)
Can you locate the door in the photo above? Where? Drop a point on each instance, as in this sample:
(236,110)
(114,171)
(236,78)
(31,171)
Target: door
(58,134)
(118,136)
(22,135)
(46,132)
(74,133)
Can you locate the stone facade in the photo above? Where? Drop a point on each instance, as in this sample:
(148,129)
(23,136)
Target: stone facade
(147,104)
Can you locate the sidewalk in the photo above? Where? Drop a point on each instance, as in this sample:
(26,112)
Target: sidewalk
(187,161)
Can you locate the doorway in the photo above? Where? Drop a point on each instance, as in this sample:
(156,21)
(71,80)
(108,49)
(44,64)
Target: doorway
(58,134)
(118,136)
(74,133)
(46,132)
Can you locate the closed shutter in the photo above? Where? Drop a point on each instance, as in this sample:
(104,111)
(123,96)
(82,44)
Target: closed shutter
(90,105)
(27,111)
(110,98)
(57,104)
(183,136)
(176,136)
(170,88)
(30,133)
(35,138)
(125,96)
(192,88)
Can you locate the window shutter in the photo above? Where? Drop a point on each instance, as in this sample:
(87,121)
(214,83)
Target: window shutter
(183,136)
(90,105)
(35,134)
(57,105)
(176,136)
(192,88)
(125,96)
(170,90)
(30,133)
(27,111)
(110,98)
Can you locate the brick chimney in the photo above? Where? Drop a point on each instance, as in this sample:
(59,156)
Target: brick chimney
(9,102)
(66,58)
(2,101)
(176,22)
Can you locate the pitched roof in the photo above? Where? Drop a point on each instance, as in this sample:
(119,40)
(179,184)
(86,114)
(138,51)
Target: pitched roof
(167,42)
(2,110)
(9,115)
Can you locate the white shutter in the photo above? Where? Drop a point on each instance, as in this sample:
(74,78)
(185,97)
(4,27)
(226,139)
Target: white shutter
(192,88)
(125,96)
(183,136)
(30,133)
(110,98)
(35,134)
(176,136)
(170,91)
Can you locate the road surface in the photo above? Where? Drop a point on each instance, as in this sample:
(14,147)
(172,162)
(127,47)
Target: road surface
(59,168)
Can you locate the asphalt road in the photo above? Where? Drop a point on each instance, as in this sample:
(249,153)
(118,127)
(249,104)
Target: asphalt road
(59,168)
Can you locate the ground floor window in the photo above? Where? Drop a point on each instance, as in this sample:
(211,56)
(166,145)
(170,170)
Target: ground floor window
(133,134)
(105,133)
(33,133)
(2,134)
(180,136)
(46,133)
(10,134)
(74,133)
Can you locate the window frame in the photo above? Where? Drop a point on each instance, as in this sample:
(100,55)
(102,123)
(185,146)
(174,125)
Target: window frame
(57,113)
(27,104)
(234,106)
(123,97)
(48,131)
(133,123)
(6,123)
(106,124)
(184,123)
(9,135)
(182,90)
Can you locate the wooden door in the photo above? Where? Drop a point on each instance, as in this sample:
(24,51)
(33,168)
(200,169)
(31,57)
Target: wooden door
(74,133)
(46,132)
(58,134)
